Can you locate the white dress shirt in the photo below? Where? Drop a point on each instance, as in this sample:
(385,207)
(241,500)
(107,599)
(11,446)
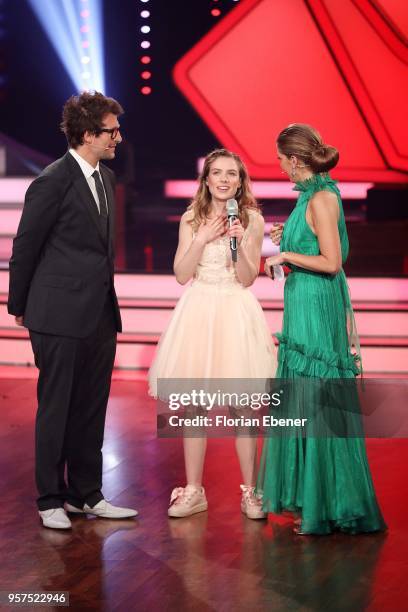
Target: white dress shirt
(88,171)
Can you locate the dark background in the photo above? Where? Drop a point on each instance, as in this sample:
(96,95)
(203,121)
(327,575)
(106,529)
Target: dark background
(166,133)
(163,135)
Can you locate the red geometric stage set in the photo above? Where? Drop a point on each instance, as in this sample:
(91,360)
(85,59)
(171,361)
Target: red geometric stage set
(340,65)
(246,69)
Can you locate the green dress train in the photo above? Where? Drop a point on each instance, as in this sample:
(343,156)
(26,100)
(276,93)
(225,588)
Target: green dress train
(324,478)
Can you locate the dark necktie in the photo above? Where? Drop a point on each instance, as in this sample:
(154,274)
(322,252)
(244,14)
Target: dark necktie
(103,209)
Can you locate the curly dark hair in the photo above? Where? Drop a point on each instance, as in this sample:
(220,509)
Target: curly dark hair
(84,113)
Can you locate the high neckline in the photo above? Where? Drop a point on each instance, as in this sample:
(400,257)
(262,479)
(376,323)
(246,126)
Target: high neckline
(314,183)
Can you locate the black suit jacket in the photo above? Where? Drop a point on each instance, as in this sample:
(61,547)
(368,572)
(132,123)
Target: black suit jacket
(61,268)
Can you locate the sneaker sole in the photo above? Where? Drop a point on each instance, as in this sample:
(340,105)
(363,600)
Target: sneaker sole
(199,508)
(254,518)
(55,527)
(111,517)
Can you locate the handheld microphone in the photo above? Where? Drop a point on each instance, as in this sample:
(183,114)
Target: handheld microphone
(232,214)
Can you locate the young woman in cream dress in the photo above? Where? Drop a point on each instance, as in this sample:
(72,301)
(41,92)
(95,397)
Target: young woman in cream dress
(218,329)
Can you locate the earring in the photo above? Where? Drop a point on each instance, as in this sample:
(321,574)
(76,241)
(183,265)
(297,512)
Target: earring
(293,172)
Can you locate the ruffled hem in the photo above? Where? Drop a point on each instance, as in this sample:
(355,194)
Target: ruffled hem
(326,481)
(354,524)
(314,361)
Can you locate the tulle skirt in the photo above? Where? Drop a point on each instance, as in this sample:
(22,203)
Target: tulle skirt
(217,330)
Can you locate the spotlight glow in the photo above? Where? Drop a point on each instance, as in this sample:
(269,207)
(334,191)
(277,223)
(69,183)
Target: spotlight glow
(145,29)
(145,14)
(145,44)
(62,21)
(145,59)
(146,91)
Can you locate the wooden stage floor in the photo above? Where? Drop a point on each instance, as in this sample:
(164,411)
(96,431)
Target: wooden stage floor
(218,560)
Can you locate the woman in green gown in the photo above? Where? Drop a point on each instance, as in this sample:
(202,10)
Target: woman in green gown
(323,478)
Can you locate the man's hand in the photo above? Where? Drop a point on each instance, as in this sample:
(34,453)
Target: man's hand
(19,321)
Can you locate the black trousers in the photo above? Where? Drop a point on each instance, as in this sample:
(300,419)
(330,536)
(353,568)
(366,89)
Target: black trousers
(73,390)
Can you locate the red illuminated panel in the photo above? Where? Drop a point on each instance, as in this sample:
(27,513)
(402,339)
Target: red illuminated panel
(396,13)
(374,64)
(274,62)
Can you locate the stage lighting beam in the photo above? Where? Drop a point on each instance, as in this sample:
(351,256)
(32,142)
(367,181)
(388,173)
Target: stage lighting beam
(63,22)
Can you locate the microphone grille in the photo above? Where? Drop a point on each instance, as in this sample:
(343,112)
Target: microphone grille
(232,207)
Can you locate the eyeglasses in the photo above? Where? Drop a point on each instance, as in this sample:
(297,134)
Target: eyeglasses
(112,131)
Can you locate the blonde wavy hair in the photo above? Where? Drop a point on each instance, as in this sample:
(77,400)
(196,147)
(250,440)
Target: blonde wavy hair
(201,204)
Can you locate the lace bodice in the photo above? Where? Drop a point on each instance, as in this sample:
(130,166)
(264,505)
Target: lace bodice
(216,266)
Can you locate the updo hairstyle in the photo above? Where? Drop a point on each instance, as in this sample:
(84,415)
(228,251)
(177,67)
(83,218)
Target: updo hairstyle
(306,144)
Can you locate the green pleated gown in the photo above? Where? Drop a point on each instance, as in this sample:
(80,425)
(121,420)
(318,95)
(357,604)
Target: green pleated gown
(324,478)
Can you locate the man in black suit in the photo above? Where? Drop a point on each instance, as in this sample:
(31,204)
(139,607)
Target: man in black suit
(61,289)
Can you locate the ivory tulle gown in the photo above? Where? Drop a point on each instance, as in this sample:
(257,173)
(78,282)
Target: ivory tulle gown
(218,328)
(326,479)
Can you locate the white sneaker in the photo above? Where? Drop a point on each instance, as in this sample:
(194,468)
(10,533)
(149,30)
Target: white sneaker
(251,504)
(73,509)
(55,518)
(187,501)
(104,509)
